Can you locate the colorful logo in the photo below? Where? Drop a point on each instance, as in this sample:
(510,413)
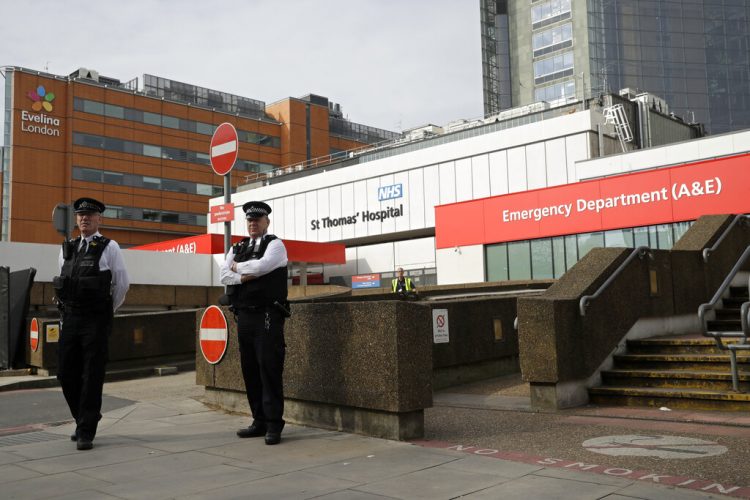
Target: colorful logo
(42,99)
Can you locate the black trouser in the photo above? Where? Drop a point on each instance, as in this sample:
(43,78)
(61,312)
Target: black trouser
(262,351)
(82,359)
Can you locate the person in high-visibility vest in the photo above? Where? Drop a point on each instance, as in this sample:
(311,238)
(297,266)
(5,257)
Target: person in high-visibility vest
(403,285)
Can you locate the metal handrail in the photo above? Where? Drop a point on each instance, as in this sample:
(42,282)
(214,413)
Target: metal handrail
(704,308)
(745,320)
(737,220)
(639,252)
(718,336)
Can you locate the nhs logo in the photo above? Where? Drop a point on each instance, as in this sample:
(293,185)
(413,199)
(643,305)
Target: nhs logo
(390,192)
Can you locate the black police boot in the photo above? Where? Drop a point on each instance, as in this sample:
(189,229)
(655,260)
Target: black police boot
(84,444)
(255,430)
(273,437)
(74,436)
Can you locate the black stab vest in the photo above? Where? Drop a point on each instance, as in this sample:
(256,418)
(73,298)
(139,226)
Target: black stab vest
(83,283)
(262,291)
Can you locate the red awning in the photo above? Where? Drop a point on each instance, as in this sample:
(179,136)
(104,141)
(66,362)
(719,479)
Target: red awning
(297,251)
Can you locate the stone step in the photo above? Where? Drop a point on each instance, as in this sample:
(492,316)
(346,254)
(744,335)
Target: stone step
(695,379)
(680,345)
(733,302)
(725,325)
(673,398)
(725,313)
(706,362)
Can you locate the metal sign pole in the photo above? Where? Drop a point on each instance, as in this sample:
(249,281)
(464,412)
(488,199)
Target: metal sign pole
(227,224)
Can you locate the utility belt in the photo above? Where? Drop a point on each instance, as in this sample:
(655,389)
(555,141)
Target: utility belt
(276,306)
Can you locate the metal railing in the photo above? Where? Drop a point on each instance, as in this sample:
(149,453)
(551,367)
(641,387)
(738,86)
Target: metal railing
(639,252)
(737,220)
(717,335)
(320,161)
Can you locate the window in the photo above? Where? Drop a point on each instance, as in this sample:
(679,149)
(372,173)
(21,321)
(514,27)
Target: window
(151,118)
(562,90)
(552,39)
(553,67)
(114,111)
(546,13)
(113,178)
(497,262)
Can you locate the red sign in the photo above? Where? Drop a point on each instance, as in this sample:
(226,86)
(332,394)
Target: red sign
(222,213)
(297,251)
(224,148)
(34,334)
(213,335)
(366,281)
(640,199)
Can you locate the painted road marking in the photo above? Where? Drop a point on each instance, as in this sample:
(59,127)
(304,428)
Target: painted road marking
(695,484)
(634,445)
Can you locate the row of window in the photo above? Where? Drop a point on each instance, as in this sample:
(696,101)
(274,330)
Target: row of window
(137,115)
(557,91)
(153,215)
(553,39)
(548,258)
(550,12)
(146,182)
(553,67)
(167,153)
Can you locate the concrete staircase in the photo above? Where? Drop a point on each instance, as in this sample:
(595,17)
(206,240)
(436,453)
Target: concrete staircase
(685,372)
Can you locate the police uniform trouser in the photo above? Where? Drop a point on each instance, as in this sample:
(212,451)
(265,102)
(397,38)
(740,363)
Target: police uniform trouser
(82,358)
(262,351)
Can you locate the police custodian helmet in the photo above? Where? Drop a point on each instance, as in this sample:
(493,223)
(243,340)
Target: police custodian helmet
(83,205)
(255,209)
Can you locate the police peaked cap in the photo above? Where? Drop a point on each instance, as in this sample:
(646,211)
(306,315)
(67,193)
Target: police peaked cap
(82,205)
(255,209)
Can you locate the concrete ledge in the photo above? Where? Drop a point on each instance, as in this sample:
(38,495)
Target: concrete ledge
(381,424)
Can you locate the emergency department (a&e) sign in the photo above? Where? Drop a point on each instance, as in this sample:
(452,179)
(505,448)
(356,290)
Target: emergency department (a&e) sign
(660,196)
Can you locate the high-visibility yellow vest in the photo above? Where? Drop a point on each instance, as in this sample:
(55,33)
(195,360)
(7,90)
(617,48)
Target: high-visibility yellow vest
(409,286)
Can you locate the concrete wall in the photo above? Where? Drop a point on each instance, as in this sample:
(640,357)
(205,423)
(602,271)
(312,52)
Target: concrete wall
(367,363)
(353,366)
(145,339)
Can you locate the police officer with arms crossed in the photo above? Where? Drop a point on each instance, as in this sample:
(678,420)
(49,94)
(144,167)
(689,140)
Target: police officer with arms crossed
(91,286)
(256,275)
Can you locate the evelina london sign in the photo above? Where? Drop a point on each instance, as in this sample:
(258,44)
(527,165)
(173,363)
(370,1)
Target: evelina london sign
(39,122)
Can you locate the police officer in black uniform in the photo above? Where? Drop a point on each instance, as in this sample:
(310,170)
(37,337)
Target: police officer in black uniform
(91,286)
(256,275)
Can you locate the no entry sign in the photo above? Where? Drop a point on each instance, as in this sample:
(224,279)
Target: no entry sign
(213,334)
(224,148)
(34,334)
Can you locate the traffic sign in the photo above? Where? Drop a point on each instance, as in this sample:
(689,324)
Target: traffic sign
(213,334)
(34,334)
(222,213)
(224,148)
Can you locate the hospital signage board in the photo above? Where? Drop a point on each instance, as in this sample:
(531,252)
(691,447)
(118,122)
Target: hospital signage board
(366,281)
(658,196)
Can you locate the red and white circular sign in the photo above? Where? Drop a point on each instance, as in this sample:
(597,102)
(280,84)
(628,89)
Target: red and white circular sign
(224,148)
(213,334)
(34,334)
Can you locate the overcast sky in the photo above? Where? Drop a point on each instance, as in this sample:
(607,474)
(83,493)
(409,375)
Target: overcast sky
(393,64)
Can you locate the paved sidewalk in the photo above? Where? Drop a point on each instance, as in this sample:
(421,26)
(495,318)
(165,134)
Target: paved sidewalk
(169,445)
